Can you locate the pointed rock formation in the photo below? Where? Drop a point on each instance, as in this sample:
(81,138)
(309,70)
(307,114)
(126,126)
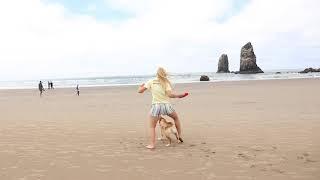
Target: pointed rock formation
(223,65)
(248,63)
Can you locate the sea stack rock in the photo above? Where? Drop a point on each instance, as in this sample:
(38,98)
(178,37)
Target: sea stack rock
(223,65)
(204,78)
(248,63)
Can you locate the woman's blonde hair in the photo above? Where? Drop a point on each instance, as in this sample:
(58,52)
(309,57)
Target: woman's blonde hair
(162,75)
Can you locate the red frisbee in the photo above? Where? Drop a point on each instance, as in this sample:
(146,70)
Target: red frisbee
(185,94)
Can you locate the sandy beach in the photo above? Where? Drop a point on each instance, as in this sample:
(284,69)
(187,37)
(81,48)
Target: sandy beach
(232,130)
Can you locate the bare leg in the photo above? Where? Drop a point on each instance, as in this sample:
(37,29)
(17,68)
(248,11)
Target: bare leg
(153,124)
(177,136)
(175,117)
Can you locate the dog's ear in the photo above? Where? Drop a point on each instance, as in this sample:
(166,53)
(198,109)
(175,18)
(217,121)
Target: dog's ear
(164,119)
(161,119)
(169,124)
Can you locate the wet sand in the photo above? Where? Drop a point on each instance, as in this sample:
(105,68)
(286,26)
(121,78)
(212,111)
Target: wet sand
(232,130)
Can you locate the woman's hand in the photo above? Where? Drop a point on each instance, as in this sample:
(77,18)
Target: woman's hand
(142,88)
(183,95)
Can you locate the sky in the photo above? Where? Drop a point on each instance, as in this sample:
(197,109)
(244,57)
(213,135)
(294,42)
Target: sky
(84,38)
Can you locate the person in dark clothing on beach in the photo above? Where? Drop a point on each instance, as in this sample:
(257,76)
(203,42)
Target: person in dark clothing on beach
(41,89)
(78,90)
(51,84)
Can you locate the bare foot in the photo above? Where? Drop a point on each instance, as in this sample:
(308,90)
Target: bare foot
(150,146)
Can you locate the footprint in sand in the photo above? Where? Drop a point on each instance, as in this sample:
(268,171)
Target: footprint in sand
(207,152)
(300,157)
(278,171)
(256,148)
(244,156)
(306,158)
(310,161)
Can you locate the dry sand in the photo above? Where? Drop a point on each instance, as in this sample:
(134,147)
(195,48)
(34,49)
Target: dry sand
(232,130)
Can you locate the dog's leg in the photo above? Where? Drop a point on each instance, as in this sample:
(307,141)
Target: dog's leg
(169,139)
(162,135)
(160,138)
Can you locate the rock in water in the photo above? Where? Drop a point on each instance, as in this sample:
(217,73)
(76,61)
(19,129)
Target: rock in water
(223,65)
(204,78)
(248,63)
(308,70)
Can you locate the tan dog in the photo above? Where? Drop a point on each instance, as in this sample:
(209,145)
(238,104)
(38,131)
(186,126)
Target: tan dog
(167,129)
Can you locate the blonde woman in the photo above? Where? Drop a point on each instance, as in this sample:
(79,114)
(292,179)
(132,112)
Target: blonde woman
(161,90)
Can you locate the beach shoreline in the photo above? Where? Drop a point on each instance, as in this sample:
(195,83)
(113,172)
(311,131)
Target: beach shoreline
(176,84)
(120,81)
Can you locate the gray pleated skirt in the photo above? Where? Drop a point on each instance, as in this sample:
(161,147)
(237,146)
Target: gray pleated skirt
(161,109)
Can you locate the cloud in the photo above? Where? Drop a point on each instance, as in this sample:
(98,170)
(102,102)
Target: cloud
(41,40)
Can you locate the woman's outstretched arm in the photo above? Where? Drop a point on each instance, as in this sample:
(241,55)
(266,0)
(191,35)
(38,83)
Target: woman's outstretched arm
(173,95)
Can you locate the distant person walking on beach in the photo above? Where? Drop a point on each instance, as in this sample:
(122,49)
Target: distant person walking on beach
(78,90)
(161,90)
(41,89)
(49,85)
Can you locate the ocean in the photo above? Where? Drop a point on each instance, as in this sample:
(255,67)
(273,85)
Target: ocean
(134,80)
